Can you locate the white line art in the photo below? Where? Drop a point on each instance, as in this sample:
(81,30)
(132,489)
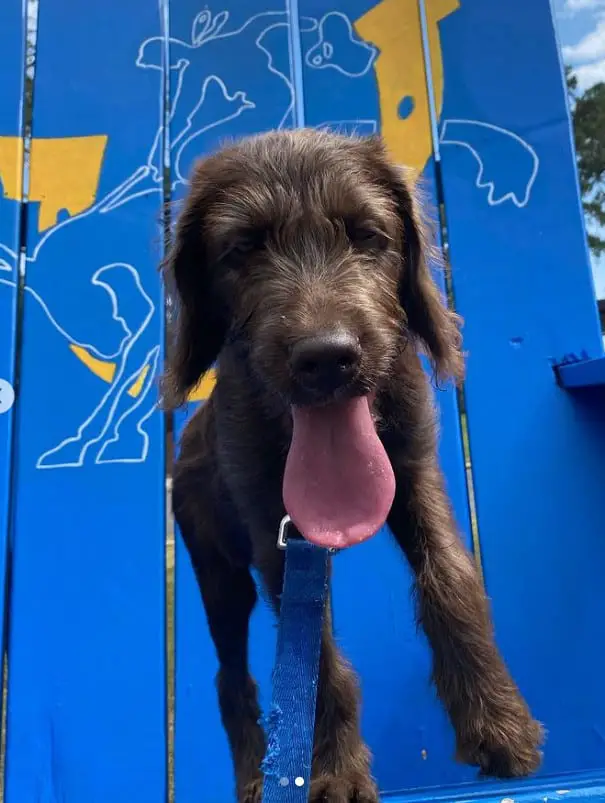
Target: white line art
(209,32)
(237,101)
(333,27)
(243,93)
(92,349)
(480,138)
(131,353)
(327,42)
(7,259)
(151,361)
(360,128)
(71,451)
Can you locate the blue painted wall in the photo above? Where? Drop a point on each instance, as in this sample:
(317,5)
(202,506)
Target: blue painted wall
(231,96)
(523,283)
(86,698)
(12,23)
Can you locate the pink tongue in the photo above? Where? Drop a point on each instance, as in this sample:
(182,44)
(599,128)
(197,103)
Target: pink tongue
(338,483)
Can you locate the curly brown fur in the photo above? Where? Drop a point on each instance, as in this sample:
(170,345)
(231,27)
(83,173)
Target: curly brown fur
(283,236)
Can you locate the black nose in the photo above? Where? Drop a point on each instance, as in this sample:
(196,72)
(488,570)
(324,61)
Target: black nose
(326,362)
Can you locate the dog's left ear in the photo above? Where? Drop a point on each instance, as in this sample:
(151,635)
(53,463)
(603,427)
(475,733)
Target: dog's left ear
(428,315)
(202,317)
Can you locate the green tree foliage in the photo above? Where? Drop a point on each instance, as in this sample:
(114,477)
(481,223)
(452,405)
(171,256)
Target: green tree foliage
(588,113)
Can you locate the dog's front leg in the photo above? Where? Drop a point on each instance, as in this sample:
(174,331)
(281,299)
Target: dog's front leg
(229,595)
(341,760)
(494,727)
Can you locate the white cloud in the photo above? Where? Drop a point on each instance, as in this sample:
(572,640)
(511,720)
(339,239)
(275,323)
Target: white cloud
(590,48)
(583,5)
(598,272)
(590,74)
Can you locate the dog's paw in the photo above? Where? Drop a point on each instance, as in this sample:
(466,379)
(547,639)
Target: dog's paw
(503,746)
(251,792)
(343,788)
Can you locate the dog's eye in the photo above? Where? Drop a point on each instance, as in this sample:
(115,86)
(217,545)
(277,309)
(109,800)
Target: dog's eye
(242,247)
(365,236)
(245,244)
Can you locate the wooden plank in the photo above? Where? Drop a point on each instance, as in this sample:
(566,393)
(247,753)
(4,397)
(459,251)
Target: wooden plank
(587,788)
(233,97)
(12,63)
(364,72)
(412,743)
(87,683)
(582,374)
(523,283)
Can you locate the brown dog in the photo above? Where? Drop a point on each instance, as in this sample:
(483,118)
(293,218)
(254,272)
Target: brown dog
(301,263)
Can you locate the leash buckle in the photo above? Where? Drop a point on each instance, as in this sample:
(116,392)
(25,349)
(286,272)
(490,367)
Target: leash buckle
(282,534)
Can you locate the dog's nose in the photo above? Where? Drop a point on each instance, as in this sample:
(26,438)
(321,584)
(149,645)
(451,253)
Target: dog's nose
(326,362)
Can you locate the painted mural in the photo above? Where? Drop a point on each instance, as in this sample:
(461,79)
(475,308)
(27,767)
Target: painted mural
(109,320)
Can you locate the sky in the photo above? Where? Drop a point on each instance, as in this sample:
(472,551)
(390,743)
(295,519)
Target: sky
(581,26)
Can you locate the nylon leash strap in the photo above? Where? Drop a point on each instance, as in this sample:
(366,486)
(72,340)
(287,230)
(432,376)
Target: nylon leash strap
(291,720)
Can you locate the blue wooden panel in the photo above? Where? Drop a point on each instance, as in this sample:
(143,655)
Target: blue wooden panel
(203,769)
(583,374)
(216,96)
(343,84)
(590,788)
(523,283)
(86,717)
(12,60)
(364,71)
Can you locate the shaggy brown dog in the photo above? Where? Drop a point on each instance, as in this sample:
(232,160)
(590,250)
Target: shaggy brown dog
(301,263)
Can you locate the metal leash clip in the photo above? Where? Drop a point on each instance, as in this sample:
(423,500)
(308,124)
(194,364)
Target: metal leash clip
(282,534)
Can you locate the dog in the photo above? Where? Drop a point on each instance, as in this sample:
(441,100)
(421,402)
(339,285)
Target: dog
(301,265)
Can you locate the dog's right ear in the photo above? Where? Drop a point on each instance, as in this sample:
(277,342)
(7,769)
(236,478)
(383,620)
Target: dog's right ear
(429,319)
(202,319)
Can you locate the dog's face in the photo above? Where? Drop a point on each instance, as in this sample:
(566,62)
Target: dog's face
(308,248)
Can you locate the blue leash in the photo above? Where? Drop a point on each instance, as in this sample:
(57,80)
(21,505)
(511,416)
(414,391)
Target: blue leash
(291,720)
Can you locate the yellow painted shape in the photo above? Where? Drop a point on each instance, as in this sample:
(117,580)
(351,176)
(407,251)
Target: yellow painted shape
(137,385)
(101,368)
(11,166)
(64,173)
(106,370)
(204,387)
(394,27)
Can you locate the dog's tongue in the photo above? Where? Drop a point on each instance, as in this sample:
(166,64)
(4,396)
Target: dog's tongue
(338,483)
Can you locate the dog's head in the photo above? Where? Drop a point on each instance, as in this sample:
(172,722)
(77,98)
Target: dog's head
(308,248)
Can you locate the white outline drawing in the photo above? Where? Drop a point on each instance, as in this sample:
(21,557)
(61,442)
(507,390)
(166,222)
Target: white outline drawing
(481,182)
(207,29)
(5,265)
(152,360)
(118,387)
(114,304)
(127,355)
(319,57)
(201,101)
(349,126)
(183,142)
